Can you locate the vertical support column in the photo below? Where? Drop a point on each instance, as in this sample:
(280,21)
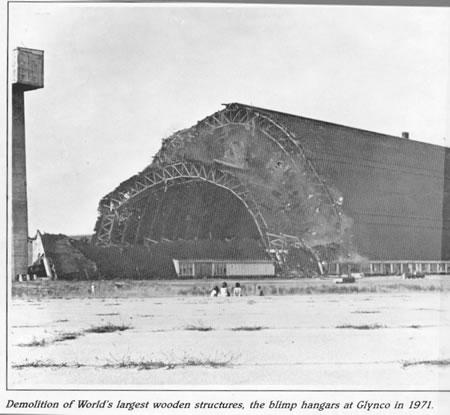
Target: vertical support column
(27,74)
(137,236)
(19,208)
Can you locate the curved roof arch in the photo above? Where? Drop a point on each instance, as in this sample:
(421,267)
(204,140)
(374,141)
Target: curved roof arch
(113,206)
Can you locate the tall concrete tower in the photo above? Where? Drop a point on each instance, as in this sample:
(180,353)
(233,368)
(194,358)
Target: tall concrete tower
(27,74)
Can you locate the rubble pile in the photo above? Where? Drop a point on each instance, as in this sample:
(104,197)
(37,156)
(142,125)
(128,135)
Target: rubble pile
(155,261)
(68,260)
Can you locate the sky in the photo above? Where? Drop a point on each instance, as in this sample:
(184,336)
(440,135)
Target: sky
(120,78)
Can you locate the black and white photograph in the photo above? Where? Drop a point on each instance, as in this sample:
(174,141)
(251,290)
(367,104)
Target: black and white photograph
(225,197)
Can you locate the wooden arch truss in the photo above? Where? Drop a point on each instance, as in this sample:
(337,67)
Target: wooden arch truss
(251,118)
(115,215)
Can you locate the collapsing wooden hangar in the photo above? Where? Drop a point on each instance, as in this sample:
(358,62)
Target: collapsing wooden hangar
(337,194)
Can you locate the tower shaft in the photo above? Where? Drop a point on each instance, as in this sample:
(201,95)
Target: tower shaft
(27,75)
(19,204)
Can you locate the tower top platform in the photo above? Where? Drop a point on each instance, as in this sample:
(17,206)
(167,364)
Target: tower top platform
(28,68)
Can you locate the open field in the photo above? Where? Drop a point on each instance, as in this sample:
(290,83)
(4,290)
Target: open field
(365,340)
(174,288)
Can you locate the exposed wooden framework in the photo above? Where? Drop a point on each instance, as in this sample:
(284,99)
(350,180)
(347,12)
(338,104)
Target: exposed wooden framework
(116,212)
(251,119)
(283,241)
(280,243)
(115,218)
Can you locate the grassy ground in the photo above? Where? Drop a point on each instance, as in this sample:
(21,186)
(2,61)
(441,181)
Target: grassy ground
(371,340)
(175,288)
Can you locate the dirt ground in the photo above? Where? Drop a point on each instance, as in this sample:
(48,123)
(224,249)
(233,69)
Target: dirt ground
(395,340)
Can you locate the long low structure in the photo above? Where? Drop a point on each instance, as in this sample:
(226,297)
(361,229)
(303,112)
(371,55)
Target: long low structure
(389,267)
(207,268)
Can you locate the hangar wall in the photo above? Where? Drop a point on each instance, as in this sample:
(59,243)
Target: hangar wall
(446,208)
(393,188)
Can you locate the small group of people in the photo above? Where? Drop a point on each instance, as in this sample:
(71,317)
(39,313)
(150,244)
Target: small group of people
(224,291)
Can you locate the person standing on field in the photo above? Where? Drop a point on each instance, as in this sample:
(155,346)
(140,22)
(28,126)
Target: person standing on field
(92,290)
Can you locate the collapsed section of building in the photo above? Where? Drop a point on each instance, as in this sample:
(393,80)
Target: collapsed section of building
(307,192)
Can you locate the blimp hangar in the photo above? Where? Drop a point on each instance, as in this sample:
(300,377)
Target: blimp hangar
(337,193)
